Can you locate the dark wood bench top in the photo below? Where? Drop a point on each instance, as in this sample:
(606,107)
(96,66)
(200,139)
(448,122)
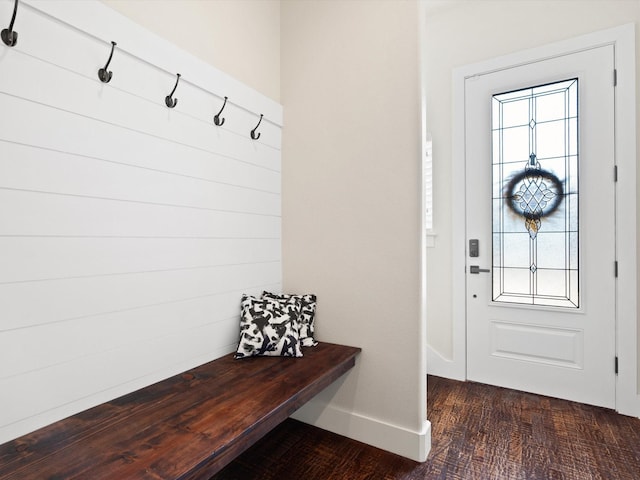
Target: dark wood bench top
(185,427)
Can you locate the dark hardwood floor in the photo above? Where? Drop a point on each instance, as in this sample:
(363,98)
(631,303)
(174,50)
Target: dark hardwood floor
(478,432)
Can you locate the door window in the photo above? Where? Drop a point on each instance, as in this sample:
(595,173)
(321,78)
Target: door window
(535,195)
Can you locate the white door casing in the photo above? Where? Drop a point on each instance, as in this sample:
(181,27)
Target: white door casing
(623,40)
(564,352)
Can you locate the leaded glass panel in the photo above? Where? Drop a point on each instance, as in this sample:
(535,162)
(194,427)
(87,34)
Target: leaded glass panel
(535,195)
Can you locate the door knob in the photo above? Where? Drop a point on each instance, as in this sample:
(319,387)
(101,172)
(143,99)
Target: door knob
(477,269)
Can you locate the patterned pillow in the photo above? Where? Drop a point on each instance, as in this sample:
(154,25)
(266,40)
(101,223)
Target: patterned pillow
(268,328)
(308,305)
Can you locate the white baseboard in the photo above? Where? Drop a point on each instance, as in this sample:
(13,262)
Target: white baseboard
(392,438)
(442,367)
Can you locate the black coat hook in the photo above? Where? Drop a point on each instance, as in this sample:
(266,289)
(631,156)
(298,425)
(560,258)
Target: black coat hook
(253,132)
(103,74)
(216,118)
(169,100)
(9,37)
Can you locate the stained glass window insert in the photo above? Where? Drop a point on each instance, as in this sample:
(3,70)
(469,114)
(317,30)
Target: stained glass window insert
(535,195)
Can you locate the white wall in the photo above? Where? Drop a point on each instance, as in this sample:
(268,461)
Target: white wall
(464,32)
(239,37)
(351,207)
(129,231)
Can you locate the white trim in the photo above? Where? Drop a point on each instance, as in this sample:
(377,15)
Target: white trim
(443,367)
(392,438)
(623,39)
(417,447)
(627,398)
(97,20)
(458,229)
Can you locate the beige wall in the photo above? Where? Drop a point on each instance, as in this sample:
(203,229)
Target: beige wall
(351,191)
(464,32)
(239,37)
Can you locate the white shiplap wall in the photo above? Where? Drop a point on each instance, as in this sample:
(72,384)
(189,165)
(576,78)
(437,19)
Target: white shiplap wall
(128,231)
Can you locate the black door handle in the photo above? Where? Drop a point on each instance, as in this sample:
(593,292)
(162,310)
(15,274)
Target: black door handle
(477,269)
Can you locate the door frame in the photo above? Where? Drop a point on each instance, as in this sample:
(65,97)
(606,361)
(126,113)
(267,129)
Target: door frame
(623,40)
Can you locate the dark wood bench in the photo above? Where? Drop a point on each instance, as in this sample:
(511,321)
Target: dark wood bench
(185,427)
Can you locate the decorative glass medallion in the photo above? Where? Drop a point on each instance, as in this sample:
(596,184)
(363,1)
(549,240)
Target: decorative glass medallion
(535,195)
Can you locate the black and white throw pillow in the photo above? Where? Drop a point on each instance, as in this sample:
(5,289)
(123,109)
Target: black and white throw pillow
(307,317)
(268,328)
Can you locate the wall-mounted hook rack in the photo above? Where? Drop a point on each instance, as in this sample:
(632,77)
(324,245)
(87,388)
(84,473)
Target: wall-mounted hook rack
(103,74)
(169,100)
(253,132)
(9,37)
(216,119)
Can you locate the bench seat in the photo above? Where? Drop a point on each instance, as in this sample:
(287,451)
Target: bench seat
(188,426)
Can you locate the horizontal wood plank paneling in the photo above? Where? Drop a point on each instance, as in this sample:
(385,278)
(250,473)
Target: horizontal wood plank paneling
(104,24)
(105,369)
(37,303)
(45,214)
(82,337)
(84,54)
(128,230)
(143,153)
(72,175)
(100,140)
(104,104)
(53,258)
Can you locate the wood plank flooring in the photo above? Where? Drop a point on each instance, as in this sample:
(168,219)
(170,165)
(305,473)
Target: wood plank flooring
(478,432)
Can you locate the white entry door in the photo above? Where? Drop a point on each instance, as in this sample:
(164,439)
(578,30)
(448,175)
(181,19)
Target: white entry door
(540,225)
